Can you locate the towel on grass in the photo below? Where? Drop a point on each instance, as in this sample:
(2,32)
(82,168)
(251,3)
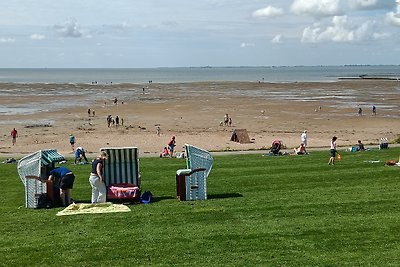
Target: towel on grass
(84,208)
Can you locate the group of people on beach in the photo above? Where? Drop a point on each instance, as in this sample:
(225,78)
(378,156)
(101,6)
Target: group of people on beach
(277,145)
(168,151)
(91,113)
(117,121)
(360,111)
(62,180)
(227,121)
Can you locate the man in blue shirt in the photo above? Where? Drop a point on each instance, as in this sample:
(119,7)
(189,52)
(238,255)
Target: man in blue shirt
(79,154)
(65,179)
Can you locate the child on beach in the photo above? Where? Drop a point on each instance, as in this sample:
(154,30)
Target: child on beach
(72,141)
(164,153)
(301,150)
(171,146)
(333,151)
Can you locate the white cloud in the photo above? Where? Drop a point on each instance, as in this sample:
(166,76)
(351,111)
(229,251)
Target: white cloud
(277,39)
(342,31)
(393,18)
(244,45)
(71,29)
(268,12)
(317,8)
(36,36)
(7,40)
(372,4)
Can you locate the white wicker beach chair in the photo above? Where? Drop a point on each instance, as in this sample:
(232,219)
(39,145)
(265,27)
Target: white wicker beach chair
(383,143)
(121,169)
(191,183)
(37,164)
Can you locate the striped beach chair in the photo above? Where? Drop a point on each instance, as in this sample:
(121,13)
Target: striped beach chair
(191,183)
(121,173)
(37,164)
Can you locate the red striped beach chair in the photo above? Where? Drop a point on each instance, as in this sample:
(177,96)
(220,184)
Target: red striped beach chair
(121,174)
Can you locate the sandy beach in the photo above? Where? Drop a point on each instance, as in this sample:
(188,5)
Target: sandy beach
(193,112)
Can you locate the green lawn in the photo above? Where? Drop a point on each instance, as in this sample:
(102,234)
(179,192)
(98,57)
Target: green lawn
(269,211)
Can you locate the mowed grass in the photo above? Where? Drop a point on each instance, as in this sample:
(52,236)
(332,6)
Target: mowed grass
(269,211)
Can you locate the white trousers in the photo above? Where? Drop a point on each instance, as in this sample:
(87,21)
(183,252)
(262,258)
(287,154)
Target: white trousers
(99,191)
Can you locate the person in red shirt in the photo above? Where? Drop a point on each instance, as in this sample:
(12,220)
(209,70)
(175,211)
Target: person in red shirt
(171,146)
(14,135)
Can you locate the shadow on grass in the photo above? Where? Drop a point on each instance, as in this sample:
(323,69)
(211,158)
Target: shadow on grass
(160,198)
(226,195)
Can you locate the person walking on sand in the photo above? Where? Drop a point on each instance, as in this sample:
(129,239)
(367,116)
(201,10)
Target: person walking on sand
(96,179)
(359,111)
(14,135)
(226,119)
(72,142)
(333,151)
(374,110)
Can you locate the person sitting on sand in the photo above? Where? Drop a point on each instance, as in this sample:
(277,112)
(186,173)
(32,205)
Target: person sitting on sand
(301,150)
(164,153)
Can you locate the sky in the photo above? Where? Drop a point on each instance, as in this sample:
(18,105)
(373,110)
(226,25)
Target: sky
(190,33)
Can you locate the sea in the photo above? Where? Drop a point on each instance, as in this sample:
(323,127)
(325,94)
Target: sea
(279,74)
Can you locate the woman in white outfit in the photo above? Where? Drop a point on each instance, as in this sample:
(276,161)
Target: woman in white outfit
(304,138)
(96,179)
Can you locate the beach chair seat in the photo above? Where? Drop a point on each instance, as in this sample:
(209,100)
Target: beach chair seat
(191,183)
(121,174)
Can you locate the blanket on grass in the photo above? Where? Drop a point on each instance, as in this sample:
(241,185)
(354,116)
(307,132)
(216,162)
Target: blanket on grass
(84,208)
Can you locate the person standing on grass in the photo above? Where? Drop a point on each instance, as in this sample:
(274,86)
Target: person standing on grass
(304,138)
(14,135)
(96,179)
(333,151)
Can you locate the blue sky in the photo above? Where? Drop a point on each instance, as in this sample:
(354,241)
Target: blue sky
(182,33)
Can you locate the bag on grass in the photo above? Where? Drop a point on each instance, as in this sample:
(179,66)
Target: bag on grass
(146,197)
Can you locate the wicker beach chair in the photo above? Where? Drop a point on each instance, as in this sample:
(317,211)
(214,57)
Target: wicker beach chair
(38,164)
(383,143)
(191,183)
(121,174)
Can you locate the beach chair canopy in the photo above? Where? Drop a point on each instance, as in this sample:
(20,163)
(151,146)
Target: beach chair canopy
(31,164)
(121,166)
(198,158)
(36,164)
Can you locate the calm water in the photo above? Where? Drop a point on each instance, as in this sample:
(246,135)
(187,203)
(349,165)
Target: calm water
(196,74)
